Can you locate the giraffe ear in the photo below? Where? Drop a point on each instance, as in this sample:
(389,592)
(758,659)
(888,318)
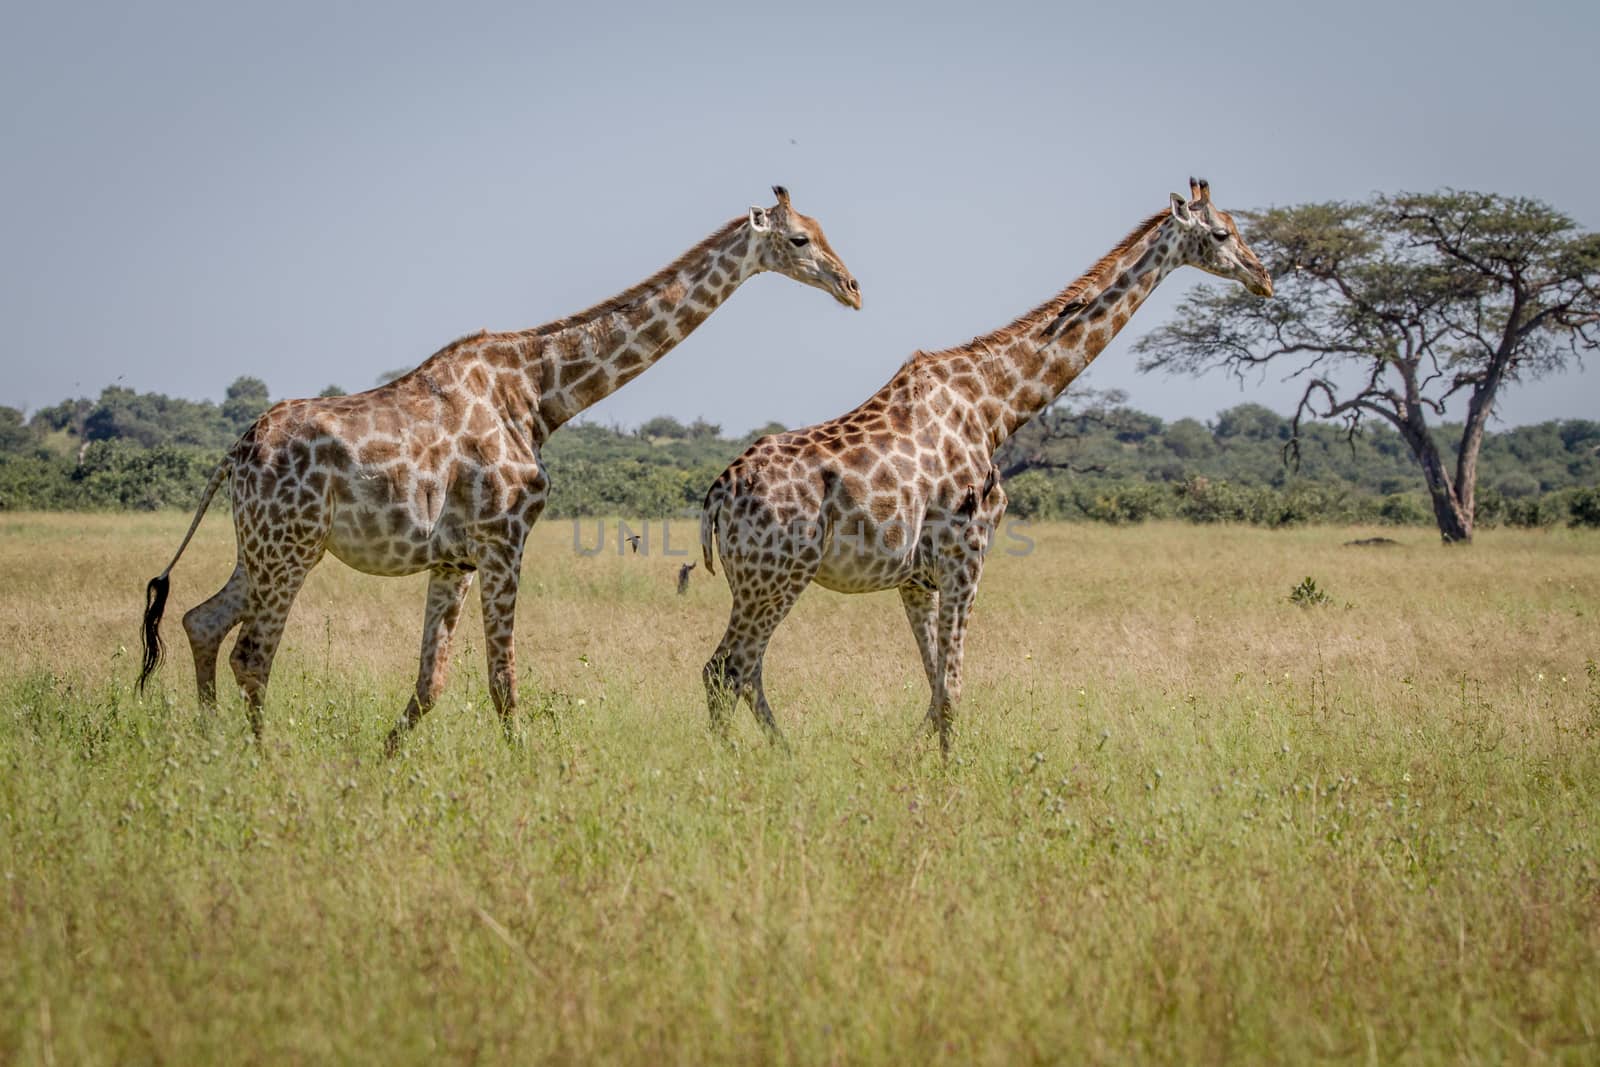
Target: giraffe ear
(759,221)
(1180,209)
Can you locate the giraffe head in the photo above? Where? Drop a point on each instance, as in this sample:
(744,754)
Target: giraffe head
(1211,241)
(794,244)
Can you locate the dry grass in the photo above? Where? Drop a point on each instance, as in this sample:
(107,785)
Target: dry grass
(1188,821)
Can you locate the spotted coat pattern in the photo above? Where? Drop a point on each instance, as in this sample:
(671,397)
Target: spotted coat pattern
(440,471)
(902,493)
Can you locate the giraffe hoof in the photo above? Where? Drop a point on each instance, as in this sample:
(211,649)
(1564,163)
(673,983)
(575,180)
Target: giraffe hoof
(516,739)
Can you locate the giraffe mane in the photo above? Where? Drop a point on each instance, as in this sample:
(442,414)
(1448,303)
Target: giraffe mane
(620,302)
(1035,318)
(629,296)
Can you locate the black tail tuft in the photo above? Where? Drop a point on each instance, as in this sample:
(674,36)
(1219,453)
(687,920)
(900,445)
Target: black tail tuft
(155,602)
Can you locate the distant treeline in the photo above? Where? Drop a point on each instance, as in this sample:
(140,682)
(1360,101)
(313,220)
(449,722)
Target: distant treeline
(1107,462)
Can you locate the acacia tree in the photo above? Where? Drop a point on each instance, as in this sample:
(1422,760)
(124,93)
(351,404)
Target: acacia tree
(1398,308)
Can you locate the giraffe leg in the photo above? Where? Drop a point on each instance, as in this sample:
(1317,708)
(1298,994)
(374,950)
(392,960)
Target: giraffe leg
(734,670)
(273,585)
(208,624)
(447,592)
(499,594)
(721,696)
(955,605)
(734,673)
(756,694)
(922,611)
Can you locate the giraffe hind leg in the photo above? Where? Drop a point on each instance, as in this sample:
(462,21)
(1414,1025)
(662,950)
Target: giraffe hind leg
(721,694)
(272,590)
(756,694)
(759,605)
(734,674)
(207,625)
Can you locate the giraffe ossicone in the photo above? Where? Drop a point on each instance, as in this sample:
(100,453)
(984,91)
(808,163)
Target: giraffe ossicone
(902,493)
(440,470)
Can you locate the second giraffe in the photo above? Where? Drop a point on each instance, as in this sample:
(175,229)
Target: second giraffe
(902,493)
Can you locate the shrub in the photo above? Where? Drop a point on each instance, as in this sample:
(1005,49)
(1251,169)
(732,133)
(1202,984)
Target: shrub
(623,487)
(664,426)
(1535,512)
(1033,495)
(1583,508)
(33,482)
(1306,594)
(1202,500)
(117,474)
(1403,509)
(1517,484)
(1132,503)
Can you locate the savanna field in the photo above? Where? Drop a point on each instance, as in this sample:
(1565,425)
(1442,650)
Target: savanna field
(1186,820)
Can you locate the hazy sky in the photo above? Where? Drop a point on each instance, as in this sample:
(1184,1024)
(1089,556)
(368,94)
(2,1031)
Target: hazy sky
(317,193)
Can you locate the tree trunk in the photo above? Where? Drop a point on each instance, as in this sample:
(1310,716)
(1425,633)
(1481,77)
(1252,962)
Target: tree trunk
(1455,523)
(1466,483)
(1454,519)
(1478,408)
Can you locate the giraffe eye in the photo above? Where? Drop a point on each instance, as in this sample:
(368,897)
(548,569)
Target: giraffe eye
(1221,235)
(799,242)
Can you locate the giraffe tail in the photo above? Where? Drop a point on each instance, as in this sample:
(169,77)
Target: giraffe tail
(155,593)
(710,511)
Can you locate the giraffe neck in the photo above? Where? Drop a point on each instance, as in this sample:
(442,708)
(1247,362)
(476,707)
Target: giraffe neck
(1025,366)
(577,361)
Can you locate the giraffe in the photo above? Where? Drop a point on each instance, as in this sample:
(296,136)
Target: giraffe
(902,493)
(440,470)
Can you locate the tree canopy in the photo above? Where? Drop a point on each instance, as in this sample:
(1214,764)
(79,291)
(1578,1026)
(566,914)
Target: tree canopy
(1402,308)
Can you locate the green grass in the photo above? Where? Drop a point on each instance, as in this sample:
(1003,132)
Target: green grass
(1187,820)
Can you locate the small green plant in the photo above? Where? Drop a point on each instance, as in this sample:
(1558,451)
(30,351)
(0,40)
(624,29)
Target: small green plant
(1306,594)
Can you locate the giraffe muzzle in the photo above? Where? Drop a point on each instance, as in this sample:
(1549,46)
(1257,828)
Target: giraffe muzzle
(849,292)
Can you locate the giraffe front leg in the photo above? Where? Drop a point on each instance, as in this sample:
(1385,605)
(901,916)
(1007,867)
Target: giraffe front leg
(499,594)
(207,625)
(955,605)
(922,612)
(447,592)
